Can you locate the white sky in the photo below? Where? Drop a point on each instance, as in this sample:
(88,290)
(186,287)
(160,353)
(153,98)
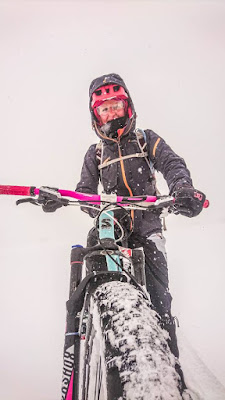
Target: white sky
(171,56)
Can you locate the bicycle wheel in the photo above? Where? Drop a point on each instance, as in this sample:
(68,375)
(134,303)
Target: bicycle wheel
(126,352)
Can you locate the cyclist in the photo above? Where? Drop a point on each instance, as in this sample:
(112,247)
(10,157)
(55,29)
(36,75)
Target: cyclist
(121,163)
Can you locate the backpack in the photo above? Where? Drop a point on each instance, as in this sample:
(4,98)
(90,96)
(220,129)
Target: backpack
(142,143)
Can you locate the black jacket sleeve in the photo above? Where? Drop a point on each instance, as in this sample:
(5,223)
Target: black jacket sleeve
(89,178)
(166,161)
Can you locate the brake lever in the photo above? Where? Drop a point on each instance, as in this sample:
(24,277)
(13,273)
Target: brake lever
(45,195)
(27,200)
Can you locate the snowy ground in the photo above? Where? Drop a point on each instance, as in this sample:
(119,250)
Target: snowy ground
(196,283)
(198,376)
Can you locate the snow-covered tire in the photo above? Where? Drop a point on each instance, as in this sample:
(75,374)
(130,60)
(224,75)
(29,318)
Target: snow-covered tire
(127,355)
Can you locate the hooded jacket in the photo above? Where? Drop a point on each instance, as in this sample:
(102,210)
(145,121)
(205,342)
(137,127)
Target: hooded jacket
(130,175)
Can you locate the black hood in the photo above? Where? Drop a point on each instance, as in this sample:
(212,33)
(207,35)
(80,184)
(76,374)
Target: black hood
(106,80)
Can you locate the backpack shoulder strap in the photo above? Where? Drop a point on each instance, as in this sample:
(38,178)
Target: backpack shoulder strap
(141,138)
(98,150)
(142,142)
(99,155)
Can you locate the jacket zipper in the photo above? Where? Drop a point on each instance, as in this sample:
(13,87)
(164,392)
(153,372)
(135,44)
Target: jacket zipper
(125,182)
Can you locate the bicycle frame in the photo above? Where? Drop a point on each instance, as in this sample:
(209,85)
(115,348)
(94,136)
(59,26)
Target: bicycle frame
(106,231)
(82,286)
(71,386)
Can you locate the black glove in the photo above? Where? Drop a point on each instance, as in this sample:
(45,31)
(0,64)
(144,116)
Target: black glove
(188,201)
(50,199)
(93,213)
(51,206)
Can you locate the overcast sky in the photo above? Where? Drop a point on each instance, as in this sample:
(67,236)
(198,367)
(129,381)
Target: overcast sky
(171,56)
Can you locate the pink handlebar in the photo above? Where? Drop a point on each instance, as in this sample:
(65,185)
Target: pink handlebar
(16,190)
(91,198)
(96,198)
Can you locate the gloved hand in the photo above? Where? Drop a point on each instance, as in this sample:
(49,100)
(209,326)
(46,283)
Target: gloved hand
(51,205)
(51,199)
(93,213)
(188,201)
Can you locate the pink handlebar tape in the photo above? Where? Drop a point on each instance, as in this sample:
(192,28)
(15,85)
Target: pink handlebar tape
(15,190)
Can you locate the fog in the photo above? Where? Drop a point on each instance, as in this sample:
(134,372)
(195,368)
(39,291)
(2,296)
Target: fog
(171,56)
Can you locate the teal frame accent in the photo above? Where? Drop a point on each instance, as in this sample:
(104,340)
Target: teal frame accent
(106,231)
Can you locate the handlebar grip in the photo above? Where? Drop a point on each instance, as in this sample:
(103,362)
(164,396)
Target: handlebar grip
(17,190)
(206,204)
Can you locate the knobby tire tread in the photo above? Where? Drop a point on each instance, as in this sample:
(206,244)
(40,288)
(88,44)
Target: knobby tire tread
(139,363)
